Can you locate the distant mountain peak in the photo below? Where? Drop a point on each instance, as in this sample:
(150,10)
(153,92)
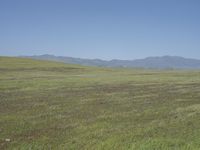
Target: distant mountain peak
(159,62)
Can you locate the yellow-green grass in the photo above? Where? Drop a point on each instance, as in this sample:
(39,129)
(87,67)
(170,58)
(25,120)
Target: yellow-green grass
(48,105)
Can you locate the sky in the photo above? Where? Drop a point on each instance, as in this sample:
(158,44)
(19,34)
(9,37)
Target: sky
(105,29)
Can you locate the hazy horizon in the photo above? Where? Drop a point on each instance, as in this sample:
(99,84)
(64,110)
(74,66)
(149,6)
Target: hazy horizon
(105,30)
(128,78)
(99,58)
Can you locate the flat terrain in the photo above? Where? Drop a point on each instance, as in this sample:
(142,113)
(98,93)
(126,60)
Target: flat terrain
(47,105)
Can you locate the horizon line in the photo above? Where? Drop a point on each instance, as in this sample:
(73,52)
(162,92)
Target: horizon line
(155,56)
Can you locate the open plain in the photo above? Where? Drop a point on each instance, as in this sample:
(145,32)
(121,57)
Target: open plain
(48,105)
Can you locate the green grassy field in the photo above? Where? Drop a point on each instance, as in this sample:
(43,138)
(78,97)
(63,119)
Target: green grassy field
(47,105)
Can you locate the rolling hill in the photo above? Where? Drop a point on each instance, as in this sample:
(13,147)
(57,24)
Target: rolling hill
(51,105)
(165,62)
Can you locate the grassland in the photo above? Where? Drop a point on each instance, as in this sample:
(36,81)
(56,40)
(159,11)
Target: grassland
(48,105)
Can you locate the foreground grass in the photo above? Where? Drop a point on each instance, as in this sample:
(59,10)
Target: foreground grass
(48,105)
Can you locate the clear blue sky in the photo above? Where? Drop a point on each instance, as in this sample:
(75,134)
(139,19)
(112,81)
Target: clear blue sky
(106,29)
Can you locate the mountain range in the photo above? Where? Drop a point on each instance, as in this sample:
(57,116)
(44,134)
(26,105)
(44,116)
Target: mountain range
(164,62)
